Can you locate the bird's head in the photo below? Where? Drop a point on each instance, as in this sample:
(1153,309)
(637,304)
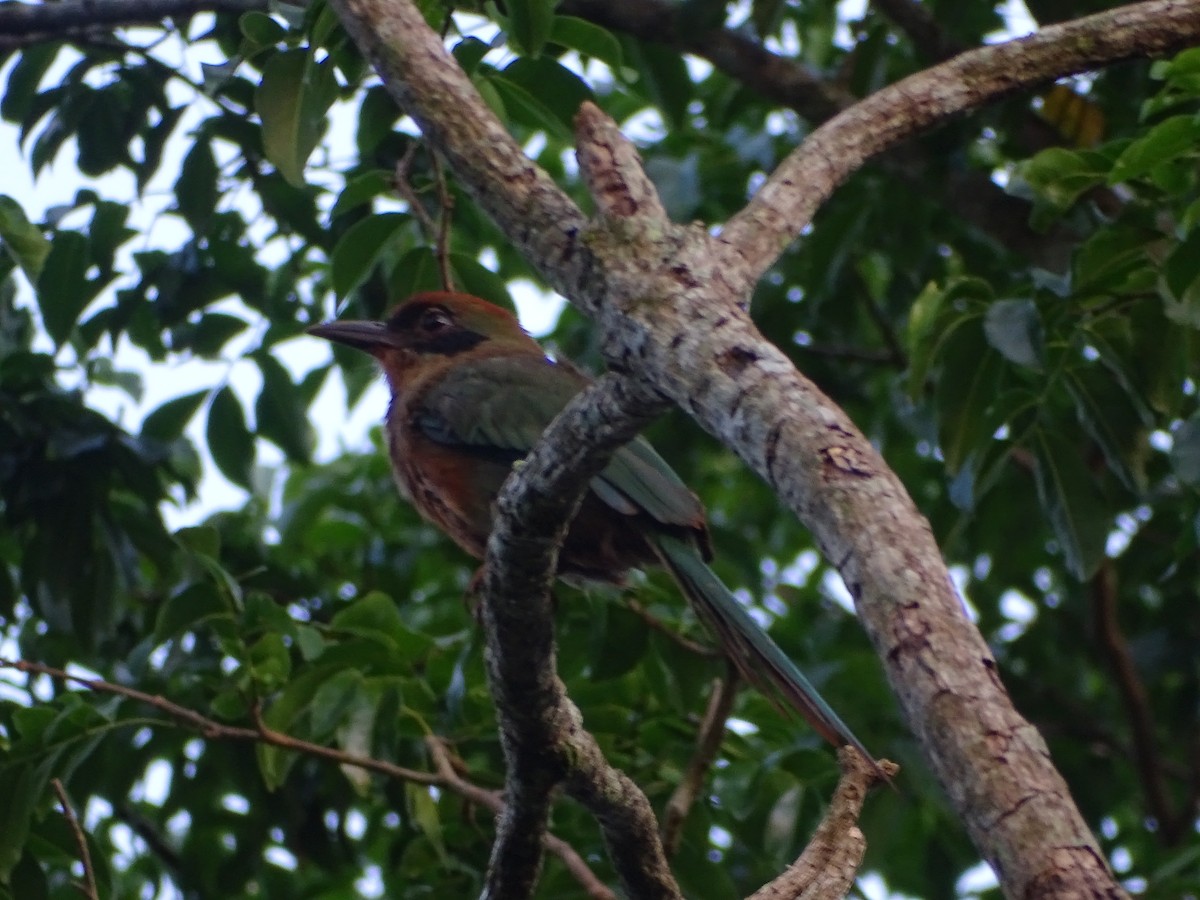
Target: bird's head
(430,326)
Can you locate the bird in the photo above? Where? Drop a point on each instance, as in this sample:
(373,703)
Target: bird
(471,392)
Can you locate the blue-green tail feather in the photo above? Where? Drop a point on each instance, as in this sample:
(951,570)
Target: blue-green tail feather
(757,657)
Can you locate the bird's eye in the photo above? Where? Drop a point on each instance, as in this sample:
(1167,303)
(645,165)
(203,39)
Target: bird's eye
(435,320)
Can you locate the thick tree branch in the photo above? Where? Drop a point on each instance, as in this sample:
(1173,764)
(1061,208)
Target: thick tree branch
(968,193)
(669,300)
(796,189)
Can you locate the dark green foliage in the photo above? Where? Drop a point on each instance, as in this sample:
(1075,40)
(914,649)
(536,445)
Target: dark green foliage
(1046,422)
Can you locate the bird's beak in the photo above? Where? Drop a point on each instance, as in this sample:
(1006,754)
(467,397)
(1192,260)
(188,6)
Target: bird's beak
(361,335)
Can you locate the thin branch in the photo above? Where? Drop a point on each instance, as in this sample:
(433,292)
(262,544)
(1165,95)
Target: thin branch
(88,888)
(1137,703)
(445,216)
(657,624)
(210,729)
(708,744)
(778,212)
(50,20)
(538,217)
(402,185)
(214,730)
(828,865)
(155,843)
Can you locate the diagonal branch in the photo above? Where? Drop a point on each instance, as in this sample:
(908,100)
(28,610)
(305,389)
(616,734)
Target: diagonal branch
(1137,705)
(968,193)
(670,301)
(781,210)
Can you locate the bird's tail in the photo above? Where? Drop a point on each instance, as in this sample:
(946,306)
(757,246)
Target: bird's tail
(751,649)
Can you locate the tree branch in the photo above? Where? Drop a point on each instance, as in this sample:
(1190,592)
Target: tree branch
(88,887)
(828,865)
(785,203)
(970,194)
(49,21)
(211,729)
(1137,704)
(708,744)
(670,302)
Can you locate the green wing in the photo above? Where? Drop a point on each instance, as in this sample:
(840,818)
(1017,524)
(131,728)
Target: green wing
(501,406)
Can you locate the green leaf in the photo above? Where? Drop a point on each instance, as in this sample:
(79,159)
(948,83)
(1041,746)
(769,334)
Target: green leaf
(229,440)
(22,239)
(1072,501)
(423,809)
(187,609)
(416,271)
(1061,176)
(270,662)
(360,190)
(968,383)
(1109,416)
(375,616)
(361,247)
(1014,327)
(527,109)
(196,191)
(619,641)
(665,80)
(554,86)
(280,413)
(292,101)
(588,39)
(203,539)
(529,23)
(62,287)
(169,421)
(1172,138)
(260,31)
(332,701)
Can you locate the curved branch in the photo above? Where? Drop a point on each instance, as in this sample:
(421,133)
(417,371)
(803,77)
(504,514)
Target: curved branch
(968,193)
(785,204)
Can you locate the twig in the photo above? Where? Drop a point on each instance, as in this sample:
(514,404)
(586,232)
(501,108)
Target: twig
(657,624)
(88,888)
(445,777)
(446,202)
(403,186)
(708,743)
(826,868)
